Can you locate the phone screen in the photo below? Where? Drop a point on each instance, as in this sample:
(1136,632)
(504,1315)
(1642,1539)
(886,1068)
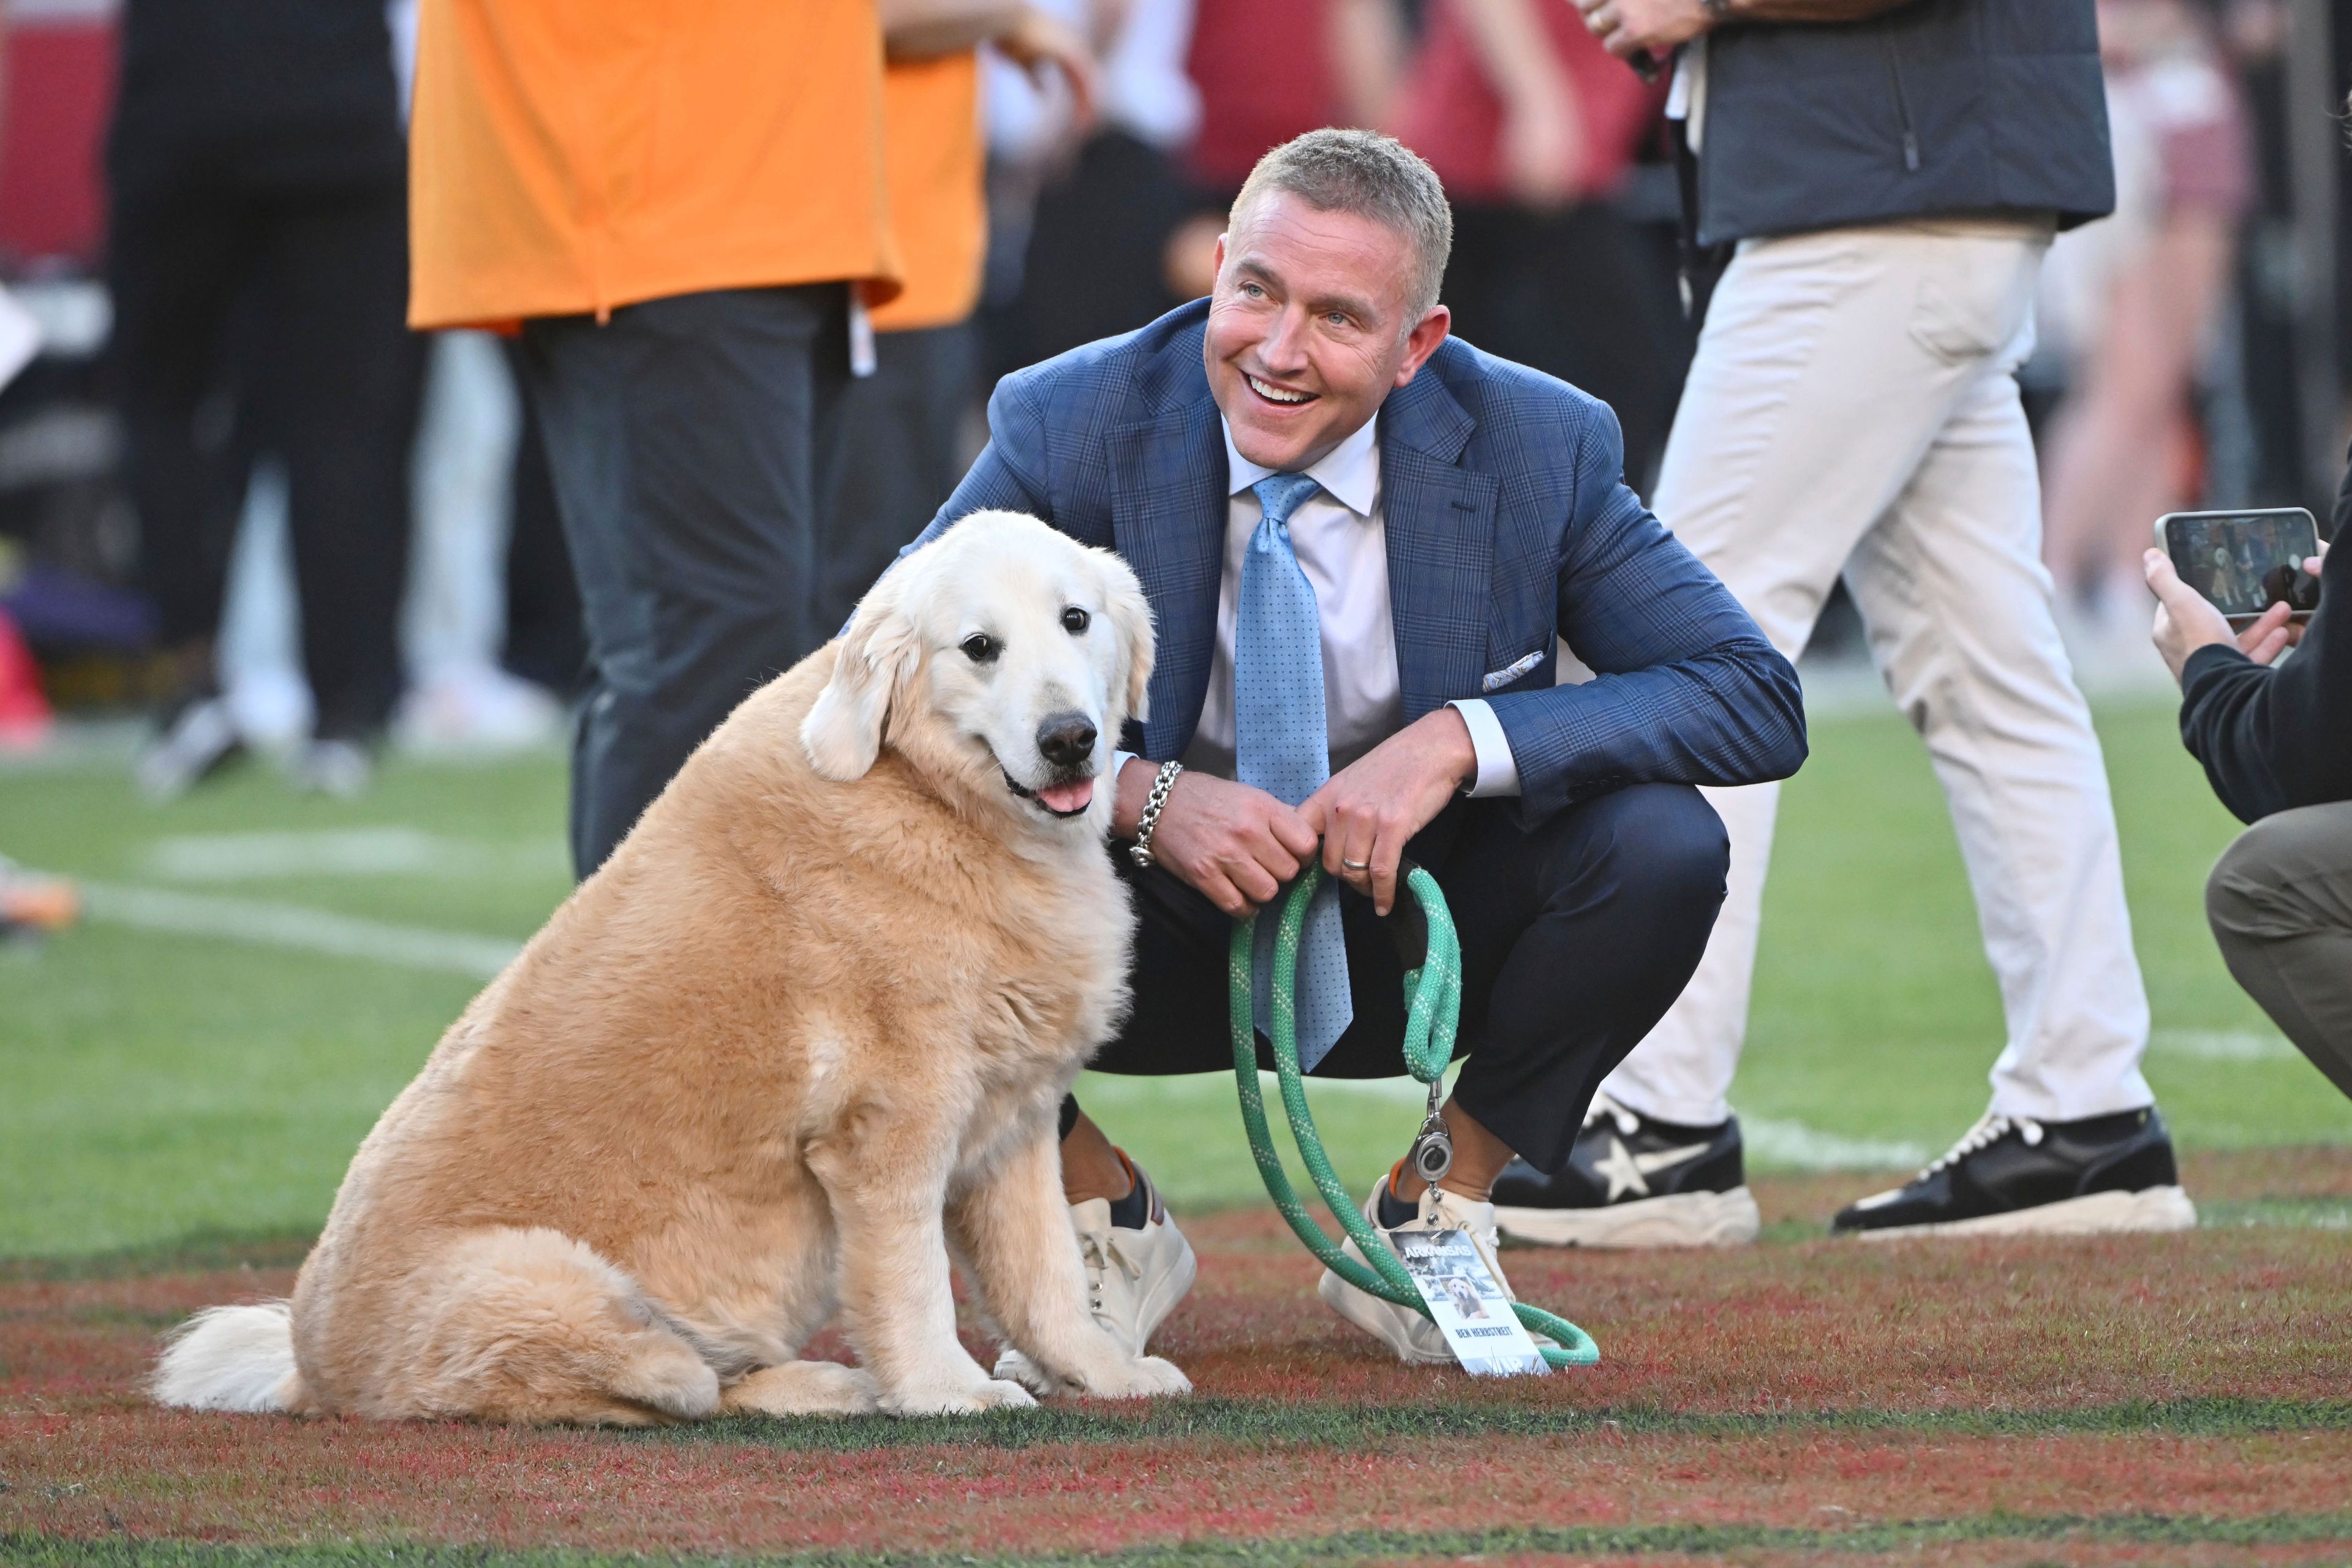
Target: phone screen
(2246,562)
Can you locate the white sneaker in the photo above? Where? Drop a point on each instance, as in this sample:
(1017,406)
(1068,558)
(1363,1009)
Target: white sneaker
(1413,1337)
(1134,1278)
(196,743)
(339,769)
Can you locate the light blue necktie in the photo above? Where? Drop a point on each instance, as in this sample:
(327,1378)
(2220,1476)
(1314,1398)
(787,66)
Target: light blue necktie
(1282,745)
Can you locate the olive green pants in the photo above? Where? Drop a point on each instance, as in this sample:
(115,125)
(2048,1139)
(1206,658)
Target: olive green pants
(2281,905)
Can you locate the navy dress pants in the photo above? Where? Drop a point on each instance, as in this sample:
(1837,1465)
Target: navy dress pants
(1577,935)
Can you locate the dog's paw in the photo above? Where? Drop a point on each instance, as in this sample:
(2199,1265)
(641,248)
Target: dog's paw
(1014,1366)
(994,1394)
(1141,1378)
(806,1388)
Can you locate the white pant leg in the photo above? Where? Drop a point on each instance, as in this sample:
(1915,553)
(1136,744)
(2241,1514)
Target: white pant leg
(1828,368)
(1958,607)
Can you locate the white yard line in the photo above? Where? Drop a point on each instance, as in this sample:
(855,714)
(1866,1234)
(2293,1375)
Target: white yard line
(1794,1146)
(390,850)
(1772,1144)
(2223,1046)
(293,926)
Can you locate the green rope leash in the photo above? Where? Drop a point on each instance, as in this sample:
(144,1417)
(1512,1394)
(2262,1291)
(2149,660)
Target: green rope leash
(1433,1013)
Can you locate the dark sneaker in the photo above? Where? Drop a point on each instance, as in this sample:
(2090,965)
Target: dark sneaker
(2012,1175)
(1632,1182)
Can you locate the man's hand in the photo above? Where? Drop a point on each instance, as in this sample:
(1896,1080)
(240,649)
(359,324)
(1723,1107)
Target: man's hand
(1038,40)
(1371,807)
(2186,620)
(1628,27)
(1236,843)
(1544,151)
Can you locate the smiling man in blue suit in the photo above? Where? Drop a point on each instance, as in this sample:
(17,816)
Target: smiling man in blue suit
(1362,541)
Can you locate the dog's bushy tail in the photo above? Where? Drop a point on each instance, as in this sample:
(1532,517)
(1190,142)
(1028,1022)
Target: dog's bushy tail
(232,1358)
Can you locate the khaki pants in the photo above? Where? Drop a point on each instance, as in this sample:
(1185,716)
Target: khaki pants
(1854,410)
(2281,904)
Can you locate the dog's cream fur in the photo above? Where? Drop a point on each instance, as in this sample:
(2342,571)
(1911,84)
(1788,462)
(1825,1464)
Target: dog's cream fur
(802,1036)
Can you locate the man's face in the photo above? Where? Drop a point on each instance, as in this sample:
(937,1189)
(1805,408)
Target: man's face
(1309,328)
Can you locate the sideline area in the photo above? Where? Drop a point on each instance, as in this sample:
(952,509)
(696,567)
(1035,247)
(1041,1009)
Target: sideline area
(190,1069)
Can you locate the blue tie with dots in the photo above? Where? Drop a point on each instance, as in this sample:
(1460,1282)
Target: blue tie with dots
(1282,745)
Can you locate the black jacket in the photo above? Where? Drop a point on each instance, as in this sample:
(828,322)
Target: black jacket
(1937,108)
(2274,738)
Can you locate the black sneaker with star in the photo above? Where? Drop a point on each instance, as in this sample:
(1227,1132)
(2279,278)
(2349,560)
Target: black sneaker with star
(1632,1182)
(2012,1175)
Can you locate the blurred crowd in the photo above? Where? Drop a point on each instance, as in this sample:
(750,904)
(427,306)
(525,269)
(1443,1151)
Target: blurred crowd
(237,492)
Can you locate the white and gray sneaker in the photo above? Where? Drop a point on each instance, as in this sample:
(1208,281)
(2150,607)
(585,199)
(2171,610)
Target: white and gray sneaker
(1135,1275)
(1412,1336)
(196,739)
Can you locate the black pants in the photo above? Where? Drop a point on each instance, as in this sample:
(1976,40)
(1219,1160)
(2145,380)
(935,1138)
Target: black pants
(546,641)
(900,458)
(278,308)
(1576,938)
(692,442)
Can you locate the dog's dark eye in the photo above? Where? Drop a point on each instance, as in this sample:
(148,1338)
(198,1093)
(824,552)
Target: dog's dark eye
(980,647)
(1075,620)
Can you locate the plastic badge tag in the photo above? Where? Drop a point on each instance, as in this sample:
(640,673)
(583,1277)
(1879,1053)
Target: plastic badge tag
(1468,1303)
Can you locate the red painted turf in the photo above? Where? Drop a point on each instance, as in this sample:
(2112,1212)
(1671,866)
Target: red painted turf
(1793,1331)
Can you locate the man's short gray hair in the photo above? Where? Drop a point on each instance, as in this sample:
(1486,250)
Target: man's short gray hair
(1370,176)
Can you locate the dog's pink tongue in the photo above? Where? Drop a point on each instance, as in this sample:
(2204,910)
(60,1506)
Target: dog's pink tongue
(1067,799)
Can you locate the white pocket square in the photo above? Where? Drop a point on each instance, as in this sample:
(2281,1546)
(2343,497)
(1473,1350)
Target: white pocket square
(1496,680)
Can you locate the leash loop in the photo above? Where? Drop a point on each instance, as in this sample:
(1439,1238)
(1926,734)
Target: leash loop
(1432,991)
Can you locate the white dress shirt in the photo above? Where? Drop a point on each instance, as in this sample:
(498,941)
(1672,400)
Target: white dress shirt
(1341,543)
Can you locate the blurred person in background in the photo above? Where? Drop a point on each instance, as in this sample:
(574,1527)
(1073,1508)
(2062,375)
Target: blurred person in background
(2276,743)
(904,423)
(1532,124)
(684,283)
(2132,305)
(256,256)
(543,638)
(26,721)
(1891,173)
(1112,193)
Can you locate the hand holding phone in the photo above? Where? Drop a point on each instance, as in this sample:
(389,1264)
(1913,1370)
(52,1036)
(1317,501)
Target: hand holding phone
(2243,562)
(2187,619)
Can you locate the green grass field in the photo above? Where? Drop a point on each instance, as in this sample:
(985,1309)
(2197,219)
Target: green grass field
(172,1087)
(183,1077)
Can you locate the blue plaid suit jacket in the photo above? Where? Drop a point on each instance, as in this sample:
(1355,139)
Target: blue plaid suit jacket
(1509,526)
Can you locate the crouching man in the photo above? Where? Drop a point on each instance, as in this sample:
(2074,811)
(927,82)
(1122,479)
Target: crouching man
(2277,744)
(1362,543)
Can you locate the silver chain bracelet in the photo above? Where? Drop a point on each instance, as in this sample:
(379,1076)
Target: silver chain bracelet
(1140,850)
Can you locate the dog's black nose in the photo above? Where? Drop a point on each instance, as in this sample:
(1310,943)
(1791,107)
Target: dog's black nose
(1067,740)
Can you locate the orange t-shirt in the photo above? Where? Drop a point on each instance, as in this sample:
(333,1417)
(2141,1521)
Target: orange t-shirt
(938,209)
(569,157)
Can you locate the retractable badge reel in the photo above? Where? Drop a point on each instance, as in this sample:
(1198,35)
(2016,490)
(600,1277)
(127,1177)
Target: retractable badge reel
(1433,1151)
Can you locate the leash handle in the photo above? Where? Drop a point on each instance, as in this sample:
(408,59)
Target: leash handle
(1433,1016)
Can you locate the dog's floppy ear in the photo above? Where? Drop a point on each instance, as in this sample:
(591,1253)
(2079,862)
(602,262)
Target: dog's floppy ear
(1130,618)
(843,733)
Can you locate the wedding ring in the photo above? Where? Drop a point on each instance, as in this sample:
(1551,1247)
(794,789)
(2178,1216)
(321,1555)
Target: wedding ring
(1355,865)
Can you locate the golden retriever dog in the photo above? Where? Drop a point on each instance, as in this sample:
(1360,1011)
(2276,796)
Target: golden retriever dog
(803,1035)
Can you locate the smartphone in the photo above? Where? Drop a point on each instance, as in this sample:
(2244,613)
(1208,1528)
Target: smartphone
(2244,561)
